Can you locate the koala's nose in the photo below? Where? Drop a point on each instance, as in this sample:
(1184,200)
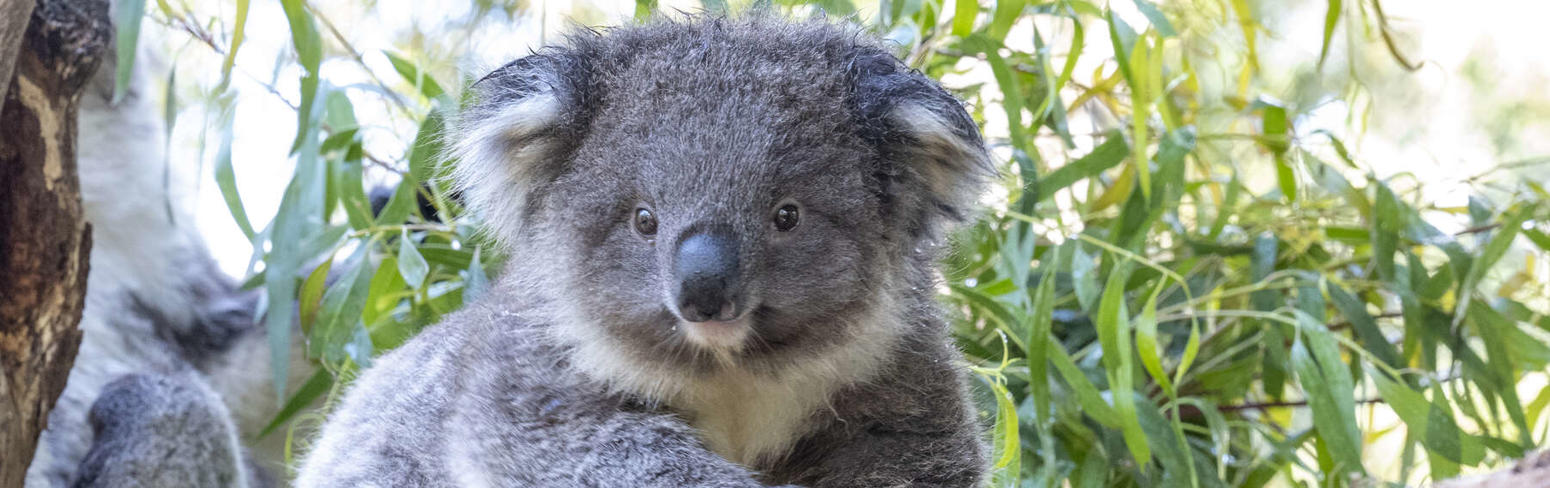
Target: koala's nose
(707,275)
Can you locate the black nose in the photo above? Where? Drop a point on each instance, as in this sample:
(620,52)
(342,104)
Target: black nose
(708,281)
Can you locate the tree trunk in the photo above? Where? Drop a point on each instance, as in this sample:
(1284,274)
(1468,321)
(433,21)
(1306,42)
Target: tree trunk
(1533,471)
(44,241)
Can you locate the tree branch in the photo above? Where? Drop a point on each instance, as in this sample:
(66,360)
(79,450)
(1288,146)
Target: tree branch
(1286,404)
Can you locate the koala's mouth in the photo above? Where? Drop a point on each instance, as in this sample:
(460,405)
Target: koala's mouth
(719,335)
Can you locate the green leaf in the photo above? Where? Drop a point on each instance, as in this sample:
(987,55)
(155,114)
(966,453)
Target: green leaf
(1221,434)
(1105,156)
(645,9)
(714,7)
(1367,331)
(1493,329)
(1328,386)
(1006,14)
(1114,334)
(1156,17)
(127,17)
(1277,129)
(1042,320)
(1123,39)
(341,309)
(352,193)
(1331,17)
(1002,315)
(1038,361)
(1427,422)
(1169,184)
(446,256)
(964,12)
(410,264)
(1146,341)
(1084,278)
(386,291)
(1191,349)
(170,116)
(1540,239)
(1112,321)
(296,220)
(1006,442)
(1388,219)
(401,204)
(428,146)
(1142,92)
(1340,149)
(1262,262)
(1086,394)
(422,81)
(311,296)
(309,52)
(1494,249)
(1511,224)
(314,388)
(227,178)
(1173,452)
(339,112)
(239,27)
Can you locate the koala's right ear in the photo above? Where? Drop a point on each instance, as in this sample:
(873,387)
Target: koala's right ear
(510,142)
(937,161)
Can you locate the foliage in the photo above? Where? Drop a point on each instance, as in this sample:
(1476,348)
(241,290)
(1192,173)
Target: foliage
(1206,289)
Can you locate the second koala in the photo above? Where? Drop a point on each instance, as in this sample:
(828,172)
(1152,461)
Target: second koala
(722,236)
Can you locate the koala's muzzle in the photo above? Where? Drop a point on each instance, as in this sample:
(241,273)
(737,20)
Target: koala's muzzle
(706,272)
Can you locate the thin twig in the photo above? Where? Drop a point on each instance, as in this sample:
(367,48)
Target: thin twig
(1288,404)
(375,161)
(1478,229)
(1385,315)
(1388,38)
(356,55)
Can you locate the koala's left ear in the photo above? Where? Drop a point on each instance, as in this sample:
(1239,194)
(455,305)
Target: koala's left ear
(937,161)
(511,141)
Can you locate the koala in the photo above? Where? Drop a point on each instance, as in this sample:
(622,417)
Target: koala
(161,430)
(173,366)
(722,237)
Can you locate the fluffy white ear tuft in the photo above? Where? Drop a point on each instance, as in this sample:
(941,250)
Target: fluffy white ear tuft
(934,154)
(502,156)
(950,159)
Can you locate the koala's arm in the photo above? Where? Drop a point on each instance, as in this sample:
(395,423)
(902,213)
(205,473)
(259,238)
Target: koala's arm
(161,430)
(592,444)
(387,430)
(911,427)
(471,402)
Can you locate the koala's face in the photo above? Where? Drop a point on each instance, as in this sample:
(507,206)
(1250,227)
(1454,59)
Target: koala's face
(748,224)
(720,193)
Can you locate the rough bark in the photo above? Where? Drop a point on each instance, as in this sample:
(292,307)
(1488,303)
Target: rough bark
(44,241)
(1533,471)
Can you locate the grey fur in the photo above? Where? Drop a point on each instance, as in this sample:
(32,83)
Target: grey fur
(161,431)
(577,371)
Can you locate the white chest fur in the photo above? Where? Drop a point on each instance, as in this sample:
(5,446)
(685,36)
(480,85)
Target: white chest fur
(752,420)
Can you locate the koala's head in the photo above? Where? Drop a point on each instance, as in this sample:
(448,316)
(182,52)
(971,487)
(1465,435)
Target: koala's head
(748,190)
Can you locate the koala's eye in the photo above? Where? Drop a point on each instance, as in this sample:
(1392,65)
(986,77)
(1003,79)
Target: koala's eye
(786,217)
(645,222)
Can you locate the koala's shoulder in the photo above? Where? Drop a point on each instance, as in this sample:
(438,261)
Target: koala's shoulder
(390,424)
